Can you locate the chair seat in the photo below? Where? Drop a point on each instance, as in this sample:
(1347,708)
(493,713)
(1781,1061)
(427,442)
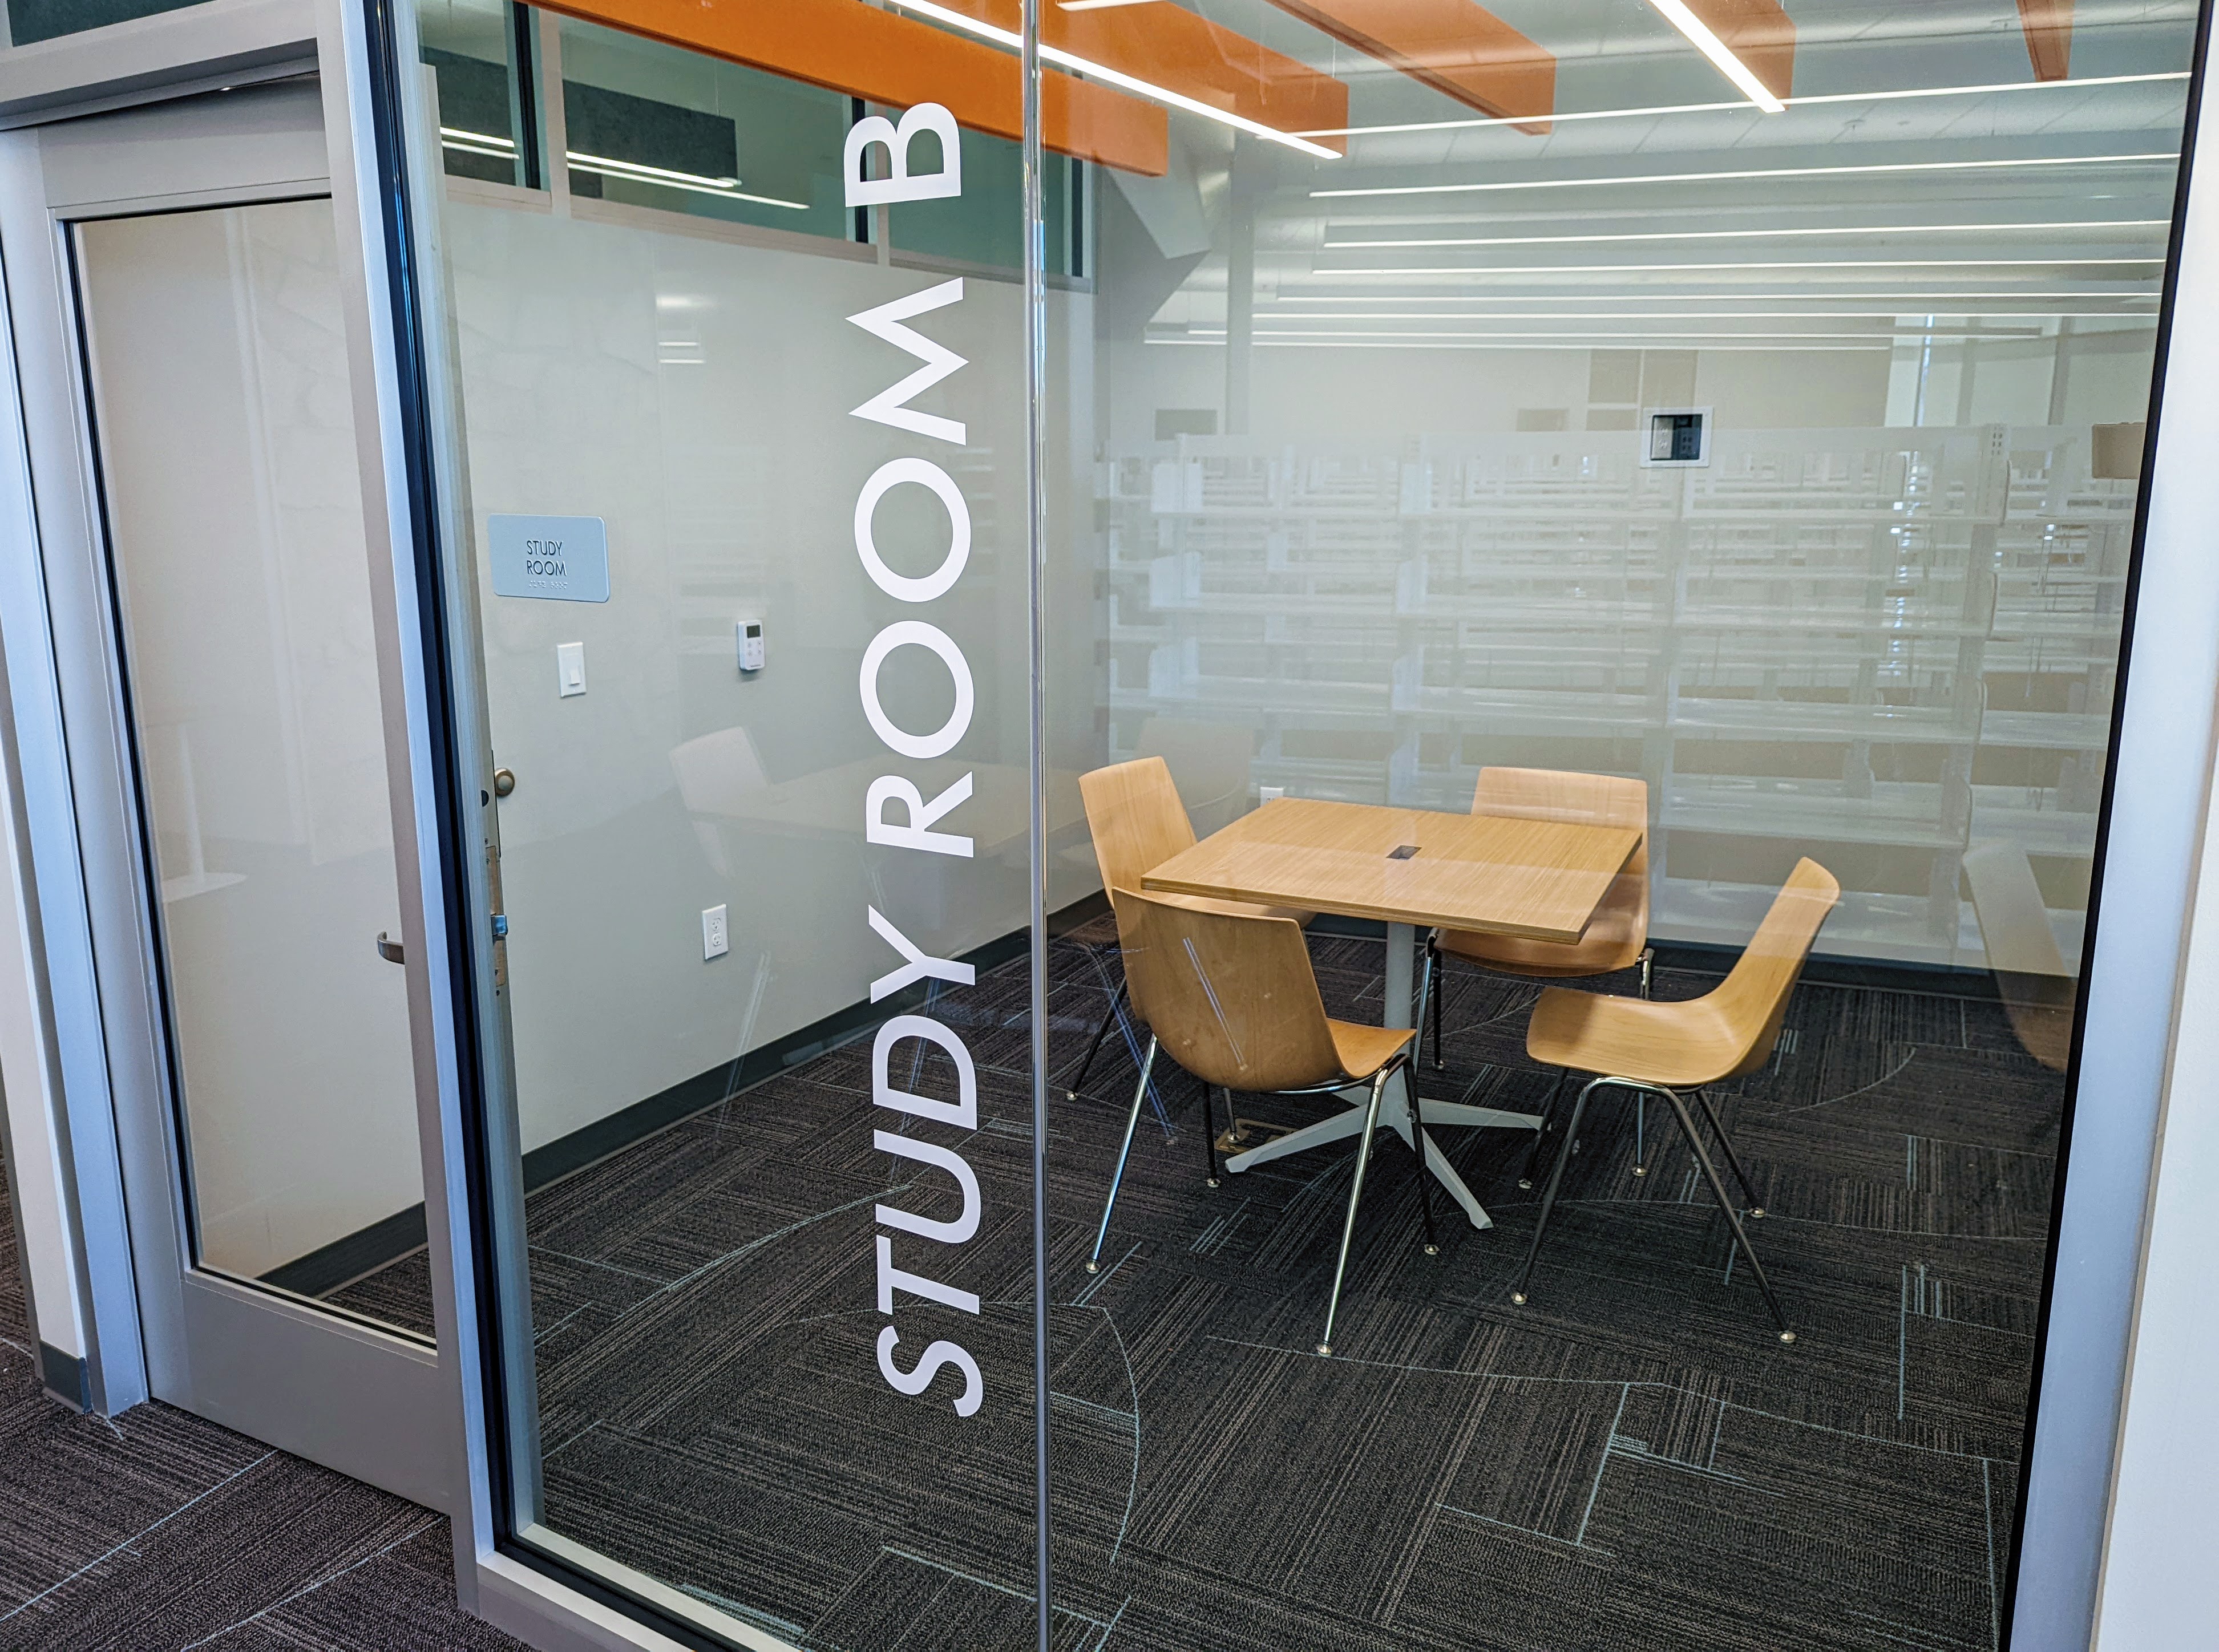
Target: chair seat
(1680,1046)
(1364,1050)
(1613,942)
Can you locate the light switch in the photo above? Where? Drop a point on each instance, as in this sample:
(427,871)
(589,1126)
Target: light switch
(715,936)
(569,669)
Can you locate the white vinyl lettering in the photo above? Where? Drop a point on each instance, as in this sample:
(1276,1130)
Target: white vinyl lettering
(963,1112)
(936,1355)
(903,184)
(947,1233)
(926,475)
(891,406)
(892,1279)
(915,633)
(915,834)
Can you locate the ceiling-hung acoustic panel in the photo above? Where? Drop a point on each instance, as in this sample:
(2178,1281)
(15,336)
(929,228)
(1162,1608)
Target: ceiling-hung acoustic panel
(1169,46)
(851,47)
(1452,46)
(2048,25)
(1762,36)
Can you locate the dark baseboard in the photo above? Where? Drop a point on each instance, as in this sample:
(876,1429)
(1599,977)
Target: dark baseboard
(350,1256)
(365,1251)
(62,1376)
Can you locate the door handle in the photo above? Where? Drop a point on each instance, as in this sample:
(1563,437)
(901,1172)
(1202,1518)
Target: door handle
(390,951)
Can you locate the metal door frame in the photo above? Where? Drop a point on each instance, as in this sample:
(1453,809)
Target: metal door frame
(371,1403)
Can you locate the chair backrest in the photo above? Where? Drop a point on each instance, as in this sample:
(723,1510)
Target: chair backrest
(1133,810)
(1232,997)
(1580,799)
(2014,919)
(1752,1001)
(1208,763)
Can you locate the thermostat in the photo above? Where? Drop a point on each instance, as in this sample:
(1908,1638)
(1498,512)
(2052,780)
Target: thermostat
(1676,437)
(750,635)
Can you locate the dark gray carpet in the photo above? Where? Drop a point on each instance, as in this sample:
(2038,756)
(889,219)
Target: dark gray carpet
(158,1531)
(1633,1464)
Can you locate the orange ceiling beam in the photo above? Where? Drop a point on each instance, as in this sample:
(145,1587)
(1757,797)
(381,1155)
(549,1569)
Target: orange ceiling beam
(850,47)
(1452,46)
(1757,31)
(2048,25)
(1170,47)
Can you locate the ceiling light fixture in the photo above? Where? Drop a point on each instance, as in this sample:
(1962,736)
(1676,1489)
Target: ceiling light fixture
(1924,308)
(724,189)
(1922,301)
(1087,67)
(1677,14)
(1995,90)
(2171,158)
(1653,269)
(1754,234)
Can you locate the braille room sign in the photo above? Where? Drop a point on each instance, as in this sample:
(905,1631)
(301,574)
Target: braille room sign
(560,558)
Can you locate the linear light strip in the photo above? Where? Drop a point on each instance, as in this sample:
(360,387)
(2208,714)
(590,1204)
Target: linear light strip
(724,189)
(1639,332)
(1689,315)
(1358,343)
(1651,269)
(1675,13)
(1907,301)
(1753,234)
(1714,108)
(1117,78)
(2169,157)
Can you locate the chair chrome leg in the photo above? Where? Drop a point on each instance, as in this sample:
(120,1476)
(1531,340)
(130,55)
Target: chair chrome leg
(1425,1186)
(1533,1147)
(1647,967)
(1549,1198)
(1355,1196)
(1209,1131)
(1734,1217)
(1124,1152)
(1108,1019)
(1640,1132)
(1435,993)
(1756,1210)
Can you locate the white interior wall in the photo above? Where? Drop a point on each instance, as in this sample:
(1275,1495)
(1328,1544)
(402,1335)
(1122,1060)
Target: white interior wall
(695,392)
(220,385)
(36,1171)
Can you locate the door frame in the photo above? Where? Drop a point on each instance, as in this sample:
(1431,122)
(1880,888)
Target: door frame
(378,1406)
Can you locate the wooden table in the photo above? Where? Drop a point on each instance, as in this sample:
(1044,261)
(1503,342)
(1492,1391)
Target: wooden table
(1493,873)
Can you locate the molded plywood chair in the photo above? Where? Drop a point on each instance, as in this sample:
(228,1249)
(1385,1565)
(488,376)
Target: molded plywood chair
(1616,939)
(2040,994)
(1230,994)
(1662,1049)
(1138,822)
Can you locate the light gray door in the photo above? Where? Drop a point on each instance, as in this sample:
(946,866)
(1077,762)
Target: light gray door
(237,801)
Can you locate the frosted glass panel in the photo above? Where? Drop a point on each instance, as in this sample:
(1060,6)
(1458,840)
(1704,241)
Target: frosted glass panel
(221,392)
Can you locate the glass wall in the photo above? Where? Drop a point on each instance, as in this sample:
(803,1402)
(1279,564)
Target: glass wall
(1585,563)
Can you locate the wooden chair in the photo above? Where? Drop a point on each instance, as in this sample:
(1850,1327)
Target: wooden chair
(1616,939)
(1230,994)
(1660,1049)
(1138,822)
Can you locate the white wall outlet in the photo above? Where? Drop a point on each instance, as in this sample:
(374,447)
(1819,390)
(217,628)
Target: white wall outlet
(748,632)
(716,933)
(1269,794)
(569,669)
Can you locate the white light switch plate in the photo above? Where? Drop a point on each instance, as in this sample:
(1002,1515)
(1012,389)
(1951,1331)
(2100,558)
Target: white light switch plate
(569,669)
(716,933)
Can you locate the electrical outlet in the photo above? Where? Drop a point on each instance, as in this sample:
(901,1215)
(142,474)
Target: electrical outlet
(716,933)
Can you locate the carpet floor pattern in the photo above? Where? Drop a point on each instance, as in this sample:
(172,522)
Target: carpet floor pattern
(158,1532)
(1631,1464)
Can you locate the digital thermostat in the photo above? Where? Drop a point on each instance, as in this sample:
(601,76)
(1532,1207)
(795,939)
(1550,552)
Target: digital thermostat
(750,635)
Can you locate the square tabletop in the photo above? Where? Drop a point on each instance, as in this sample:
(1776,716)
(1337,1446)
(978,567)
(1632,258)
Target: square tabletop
(1498,874)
